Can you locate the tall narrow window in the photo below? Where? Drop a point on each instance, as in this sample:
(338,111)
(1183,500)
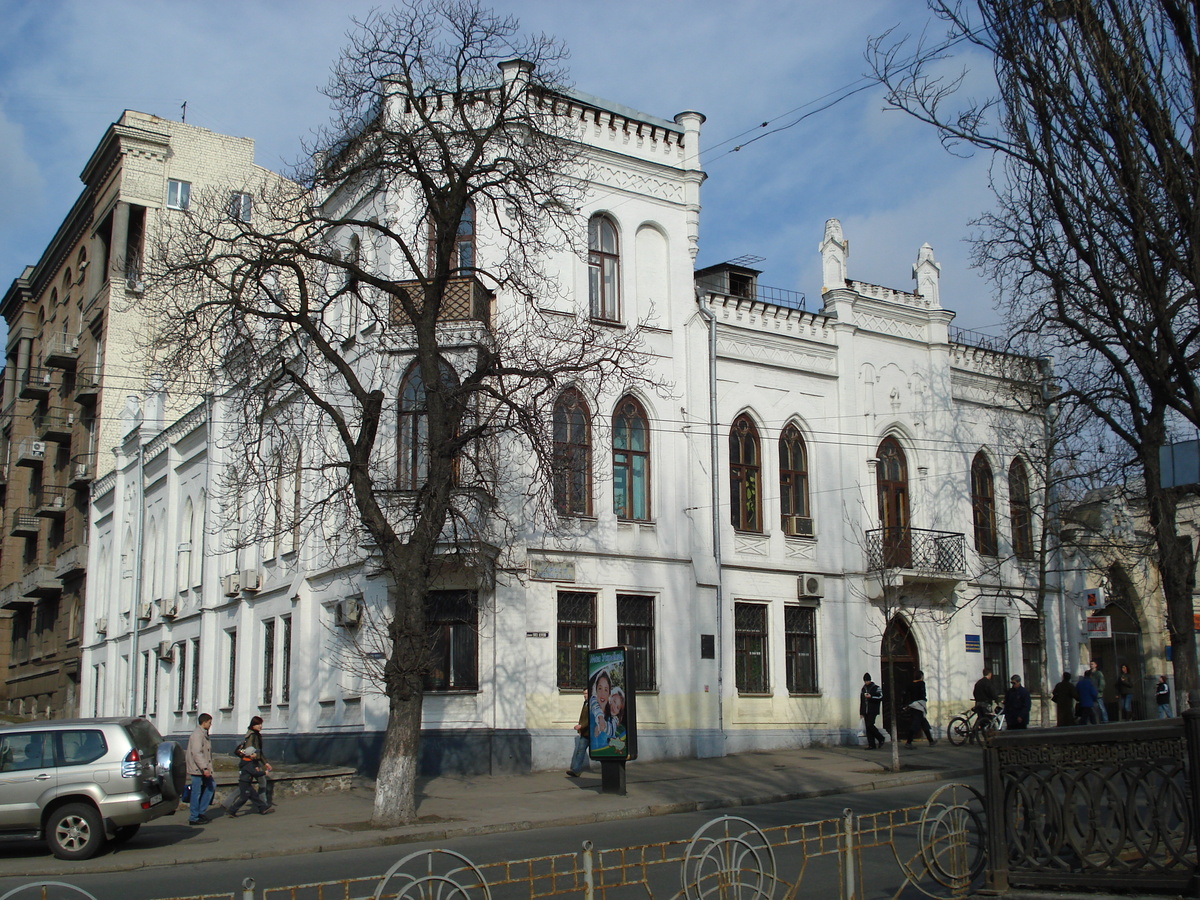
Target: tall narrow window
(285,667)
(572,455)
(983,506)
(179,194)
(635,629)
(268,662)
(195,674)
(793,484)
(231,698)
(750,647)
(1032,654)
(452,628)
(145,682)
(800,648)
(576,635)
(892,487)
(181,671)
(995,648)
(413,431)
(745,471)
(631,461)
(1020,511)
(604,269)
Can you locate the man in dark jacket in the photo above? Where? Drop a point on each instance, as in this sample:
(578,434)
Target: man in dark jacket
(1065,697)
(987,695)
(1089,698)
(1162,696)
(868,707)
(1017,704)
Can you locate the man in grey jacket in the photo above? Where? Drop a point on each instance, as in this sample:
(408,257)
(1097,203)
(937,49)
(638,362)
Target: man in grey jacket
(1098,680)
(200,768)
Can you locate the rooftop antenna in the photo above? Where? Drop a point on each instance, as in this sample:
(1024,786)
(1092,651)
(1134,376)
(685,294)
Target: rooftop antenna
(184,108)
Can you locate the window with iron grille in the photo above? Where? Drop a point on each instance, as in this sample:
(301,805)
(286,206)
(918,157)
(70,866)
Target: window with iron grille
(268,662)
(576,636)
(195,674)
(635,629)
(1032,650)
(800,648)
(181,672)
(995,647)
(750,647)
(285,688)
(452,628)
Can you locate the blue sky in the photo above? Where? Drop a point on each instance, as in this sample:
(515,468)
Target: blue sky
(253,68)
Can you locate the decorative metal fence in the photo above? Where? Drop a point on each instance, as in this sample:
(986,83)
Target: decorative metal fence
(937,849)
(934,552)
(1095,805)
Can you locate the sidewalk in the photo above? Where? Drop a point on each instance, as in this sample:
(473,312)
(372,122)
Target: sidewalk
(455,806)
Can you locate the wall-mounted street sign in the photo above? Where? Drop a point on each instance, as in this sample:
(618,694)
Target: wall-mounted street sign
(1093,598)
(973,644)
(551,569)
(537,634)
(1098,627)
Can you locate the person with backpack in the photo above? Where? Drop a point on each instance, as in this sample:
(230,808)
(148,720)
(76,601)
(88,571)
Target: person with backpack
(254,739)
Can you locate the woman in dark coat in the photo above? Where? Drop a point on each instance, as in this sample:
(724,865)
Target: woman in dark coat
(253,739)
(1065,697)
(917,699)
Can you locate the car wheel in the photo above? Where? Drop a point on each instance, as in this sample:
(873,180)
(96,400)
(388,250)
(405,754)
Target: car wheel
(125,832)
(170,765)
(75,831)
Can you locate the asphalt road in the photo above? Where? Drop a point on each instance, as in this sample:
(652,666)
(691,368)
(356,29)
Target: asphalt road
(881,875)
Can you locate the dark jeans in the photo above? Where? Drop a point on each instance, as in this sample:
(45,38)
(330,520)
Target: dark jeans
(875,737)
(247,791)
(920,725)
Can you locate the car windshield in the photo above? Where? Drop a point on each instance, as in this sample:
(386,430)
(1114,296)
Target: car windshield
(145,736)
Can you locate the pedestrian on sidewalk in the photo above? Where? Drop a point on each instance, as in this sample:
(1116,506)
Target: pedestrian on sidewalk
(1017,704)
(986,694)
(1101,711)
(869,700)
(1162,696)
(917,698)
(1089,698)
(254,739)
(579,758)
(1125,694)
(1065,697)
(199,767)
(250,770)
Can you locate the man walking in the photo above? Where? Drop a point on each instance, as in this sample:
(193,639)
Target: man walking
(1162,696)
(199,767)
(1098,681)
(868,707)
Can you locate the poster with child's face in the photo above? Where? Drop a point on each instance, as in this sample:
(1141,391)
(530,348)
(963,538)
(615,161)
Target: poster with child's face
(612,732)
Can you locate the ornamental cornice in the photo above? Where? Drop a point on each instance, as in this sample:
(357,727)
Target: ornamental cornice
(623,178)
(752,348)
(891,326)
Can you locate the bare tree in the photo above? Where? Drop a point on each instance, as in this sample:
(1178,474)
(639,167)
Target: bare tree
(388,315)
(1093,241)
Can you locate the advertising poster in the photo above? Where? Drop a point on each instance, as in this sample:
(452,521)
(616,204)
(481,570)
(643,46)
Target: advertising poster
(612,716)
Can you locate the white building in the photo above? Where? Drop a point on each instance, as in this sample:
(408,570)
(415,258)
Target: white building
(815,476)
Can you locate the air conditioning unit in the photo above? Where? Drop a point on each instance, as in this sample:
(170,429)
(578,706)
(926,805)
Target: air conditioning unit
(251,580)
(169,608)
(146,609)
(231,584)
(810,585)
(102,625)
(348,613)
(81,471)
(798,526)
(135,285)
(166,650)
(37,448)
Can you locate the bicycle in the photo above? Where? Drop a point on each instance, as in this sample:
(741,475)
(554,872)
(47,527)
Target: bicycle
(967,726)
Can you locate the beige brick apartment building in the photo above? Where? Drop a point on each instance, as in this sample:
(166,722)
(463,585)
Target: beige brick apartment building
(71,361)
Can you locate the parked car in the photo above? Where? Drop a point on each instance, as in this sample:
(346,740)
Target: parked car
(76,783)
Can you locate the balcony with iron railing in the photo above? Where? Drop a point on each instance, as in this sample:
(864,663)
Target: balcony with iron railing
(35,383)
(61,351)
(87,384)
(53,501)
(53,424)
(919,554)
(721,284)
(465,300)
(30,452)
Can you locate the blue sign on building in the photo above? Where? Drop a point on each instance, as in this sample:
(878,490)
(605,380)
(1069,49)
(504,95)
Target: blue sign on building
(973,644)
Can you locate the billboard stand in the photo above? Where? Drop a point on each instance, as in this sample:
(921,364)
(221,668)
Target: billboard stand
(612,776)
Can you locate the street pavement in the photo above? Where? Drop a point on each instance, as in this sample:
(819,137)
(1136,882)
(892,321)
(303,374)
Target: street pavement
(451,806)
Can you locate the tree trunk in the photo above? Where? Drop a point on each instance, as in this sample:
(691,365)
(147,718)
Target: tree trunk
(395,786)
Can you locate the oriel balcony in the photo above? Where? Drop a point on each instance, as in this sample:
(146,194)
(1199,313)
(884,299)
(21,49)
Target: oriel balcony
(466,300)
(52,502)
(30,452)
(61,351)
(25,522)
(35,383)
(918,554)
(87,385)
(53,424)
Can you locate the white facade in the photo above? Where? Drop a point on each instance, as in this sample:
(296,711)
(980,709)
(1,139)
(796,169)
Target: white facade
(743,657)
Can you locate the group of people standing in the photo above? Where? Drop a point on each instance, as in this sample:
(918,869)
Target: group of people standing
(253,770)
(1082,702)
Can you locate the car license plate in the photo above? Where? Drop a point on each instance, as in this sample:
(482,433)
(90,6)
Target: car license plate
(155,799)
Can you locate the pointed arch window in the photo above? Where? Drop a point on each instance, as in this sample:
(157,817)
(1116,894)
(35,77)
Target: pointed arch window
(572,455)
(1020,510)
(983,505)
(631,461)
(891,476)
(462,260)
(413,430)
(745,476)
(604,269)
(793,483)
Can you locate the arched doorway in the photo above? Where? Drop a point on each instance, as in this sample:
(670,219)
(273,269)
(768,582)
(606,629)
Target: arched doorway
(898,659)
(891,479)
(1123,648)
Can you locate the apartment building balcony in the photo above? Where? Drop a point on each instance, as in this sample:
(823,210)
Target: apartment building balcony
(61,351)
(83,470)
(12,598)
(52,502)
(35,383)
(39,582)
(3,472)
(87,385)
(25,522)
(71,562)
(53,424)
(30,452)
(918,555)
(466,300)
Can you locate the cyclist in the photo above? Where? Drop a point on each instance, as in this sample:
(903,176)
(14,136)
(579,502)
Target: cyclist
(987,695)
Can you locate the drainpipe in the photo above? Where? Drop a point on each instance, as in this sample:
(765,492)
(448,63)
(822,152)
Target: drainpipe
(714,460)
(135,617)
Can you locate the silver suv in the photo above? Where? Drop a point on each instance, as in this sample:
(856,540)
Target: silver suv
(79,782)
